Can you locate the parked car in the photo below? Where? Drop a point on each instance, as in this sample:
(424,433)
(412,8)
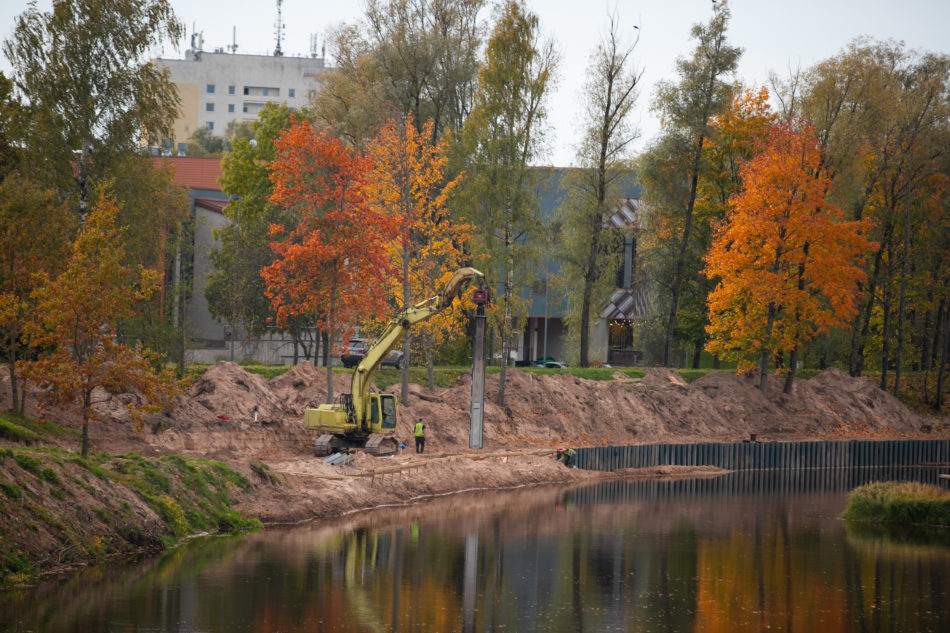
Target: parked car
(393,359)
(550,364)
(357,348)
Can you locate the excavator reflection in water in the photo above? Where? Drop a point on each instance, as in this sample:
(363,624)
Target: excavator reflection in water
(368,420)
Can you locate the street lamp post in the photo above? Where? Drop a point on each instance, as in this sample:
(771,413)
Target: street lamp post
(237,245)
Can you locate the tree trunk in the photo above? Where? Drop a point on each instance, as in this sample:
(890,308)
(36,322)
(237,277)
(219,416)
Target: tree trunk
(859,336)
(84,441)
(764,361)
(790,375)
(430,361)
(902,304)
(507,318)
(886,338)
(681,256)
(329,331)
(943,350)
(14,391)
(697,351)
(407,337)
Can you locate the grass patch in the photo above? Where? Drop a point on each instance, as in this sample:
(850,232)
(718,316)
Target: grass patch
(29,463)
(23,429)
(11,490)
(904,503)
(267,371)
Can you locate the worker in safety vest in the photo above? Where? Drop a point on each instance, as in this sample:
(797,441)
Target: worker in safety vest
(566,455)
(420,436)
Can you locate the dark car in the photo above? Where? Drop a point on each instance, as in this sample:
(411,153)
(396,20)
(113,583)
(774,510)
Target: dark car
(355,351)
(393,359)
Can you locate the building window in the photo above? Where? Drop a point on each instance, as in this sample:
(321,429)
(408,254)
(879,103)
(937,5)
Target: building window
(265,91)
(209,107)
(246,90)
(230,90)
(291,92)
(245,108)
(210,125)
(210,89)
(230,107)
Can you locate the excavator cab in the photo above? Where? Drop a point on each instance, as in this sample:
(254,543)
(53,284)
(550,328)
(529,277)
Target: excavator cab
(382,412)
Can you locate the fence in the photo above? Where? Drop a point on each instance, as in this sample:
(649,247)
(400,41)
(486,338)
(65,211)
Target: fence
(769,455)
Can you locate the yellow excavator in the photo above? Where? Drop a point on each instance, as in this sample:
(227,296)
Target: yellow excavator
(360,419)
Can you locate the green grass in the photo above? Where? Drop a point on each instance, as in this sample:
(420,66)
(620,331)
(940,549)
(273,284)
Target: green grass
(23,429)
(900,503)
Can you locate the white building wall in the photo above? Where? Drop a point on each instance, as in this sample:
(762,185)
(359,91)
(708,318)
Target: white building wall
(232,88)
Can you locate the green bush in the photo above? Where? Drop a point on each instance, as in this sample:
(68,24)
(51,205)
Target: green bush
(905,503)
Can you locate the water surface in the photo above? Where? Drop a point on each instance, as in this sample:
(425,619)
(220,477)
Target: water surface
(754,551)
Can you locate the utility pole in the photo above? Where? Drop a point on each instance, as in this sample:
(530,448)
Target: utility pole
(480,297)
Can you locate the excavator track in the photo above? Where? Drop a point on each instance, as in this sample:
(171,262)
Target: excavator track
(328,444)
(381,445)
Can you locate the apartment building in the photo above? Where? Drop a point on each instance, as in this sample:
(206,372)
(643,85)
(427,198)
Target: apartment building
(219,88)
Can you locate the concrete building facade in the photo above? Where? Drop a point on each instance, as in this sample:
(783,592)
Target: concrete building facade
(218,88)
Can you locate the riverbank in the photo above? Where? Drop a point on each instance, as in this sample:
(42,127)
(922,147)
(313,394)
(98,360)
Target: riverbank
(209,465)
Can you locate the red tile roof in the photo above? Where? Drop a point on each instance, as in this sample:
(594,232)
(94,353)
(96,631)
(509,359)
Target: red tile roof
(192,172)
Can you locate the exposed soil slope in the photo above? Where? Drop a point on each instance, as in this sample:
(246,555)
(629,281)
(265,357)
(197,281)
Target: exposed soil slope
(215,419)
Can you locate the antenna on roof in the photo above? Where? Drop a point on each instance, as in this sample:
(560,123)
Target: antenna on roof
(234,45)
(313,45)
(280,30)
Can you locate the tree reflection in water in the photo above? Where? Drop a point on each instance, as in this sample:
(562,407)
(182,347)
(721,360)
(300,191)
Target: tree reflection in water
(742,552)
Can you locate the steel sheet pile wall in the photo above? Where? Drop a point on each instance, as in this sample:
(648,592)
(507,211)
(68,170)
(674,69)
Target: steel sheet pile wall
(769,455)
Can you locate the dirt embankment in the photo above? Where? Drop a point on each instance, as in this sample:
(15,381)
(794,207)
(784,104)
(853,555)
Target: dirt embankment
(215,419)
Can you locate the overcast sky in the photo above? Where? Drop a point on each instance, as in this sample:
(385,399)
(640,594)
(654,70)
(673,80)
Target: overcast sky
(776,36)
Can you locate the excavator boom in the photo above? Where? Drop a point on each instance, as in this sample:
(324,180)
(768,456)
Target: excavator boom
(369,420)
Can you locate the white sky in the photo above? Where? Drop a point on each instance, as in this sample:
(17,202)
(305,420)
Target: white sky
(776,35)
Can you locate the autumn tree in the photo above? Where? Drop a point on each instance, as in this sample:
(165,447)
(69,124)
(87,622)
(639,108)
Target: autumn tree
(671,169)
(788,265)
(502,137)
(736,135)
(77,321)
(880,113)
(332,263)
(591,248)
(90,96)
(34,230)
(409,182)
(236,290)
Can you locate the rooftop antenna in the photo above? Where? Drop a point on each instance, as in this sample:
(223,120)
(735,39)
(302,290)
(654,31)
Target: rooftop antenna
(280,30)
(313,45)
(234,45)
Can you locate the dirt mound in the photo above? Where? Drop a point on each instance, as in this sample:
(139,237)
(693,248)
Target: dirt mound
(216,416)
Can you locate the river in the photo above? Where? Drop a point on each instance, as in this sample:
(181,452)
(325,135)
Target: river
(754,551)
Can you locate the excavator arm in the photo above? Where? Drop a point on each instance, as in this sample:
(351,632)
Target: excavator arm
(397,327)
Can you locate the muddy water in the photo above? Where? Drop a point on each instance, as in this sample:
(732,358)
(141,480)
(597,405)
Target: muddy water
(753,552)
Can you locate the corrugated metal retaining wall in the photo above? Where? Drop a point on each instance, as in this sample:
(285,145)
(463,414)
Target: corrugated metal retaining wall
(769,455)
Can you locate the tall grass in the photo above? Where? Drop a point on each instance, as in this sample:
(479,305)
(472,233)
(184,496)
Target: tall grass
(905,503)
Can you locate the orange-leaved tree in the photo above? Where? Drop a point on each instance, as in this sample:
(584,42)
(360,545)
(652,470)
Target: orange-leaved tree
(77,324)
(409,182)
(788,266)
(333,266)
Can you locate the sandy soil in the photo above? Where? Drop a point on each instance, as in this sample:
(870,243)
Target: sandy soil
(215,419)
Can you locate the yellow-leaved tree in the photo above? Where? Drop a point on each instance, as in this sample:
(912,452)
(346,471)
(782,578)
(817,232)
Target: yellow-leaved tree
(788,266)
(409,181)
(77,328)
